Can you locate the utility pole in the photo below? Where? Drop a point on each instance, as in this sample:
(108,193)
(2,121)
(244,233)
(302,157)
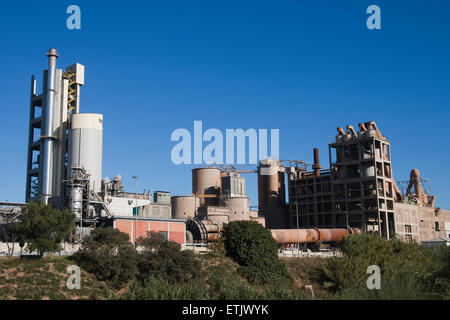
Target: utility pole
(136,212)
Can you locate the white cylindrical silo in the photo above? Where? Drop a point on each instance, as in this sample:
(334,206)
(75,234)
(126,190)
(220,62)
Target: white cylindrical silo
(85,146)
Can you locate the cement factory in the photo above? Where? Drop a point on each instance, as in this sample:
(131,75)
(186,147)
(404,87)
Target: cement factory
(355,193)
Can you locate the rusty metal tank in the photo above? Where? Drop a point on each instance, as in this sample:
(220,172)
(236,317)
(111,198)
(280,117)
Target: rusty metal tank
(239,208)
(184,207)
(207,181)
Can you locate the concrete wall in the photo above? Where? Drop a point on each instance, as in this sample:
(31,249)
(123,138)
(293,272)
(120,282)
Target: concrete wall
(120,206)
(68,249)
(156,210)
(175,229)
(422,222)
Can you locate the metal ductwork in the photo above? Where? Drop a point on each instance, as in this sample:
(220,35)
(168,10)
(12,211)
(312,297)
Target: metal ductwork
(351,131)
(419,195)
(362,128)
(202,231)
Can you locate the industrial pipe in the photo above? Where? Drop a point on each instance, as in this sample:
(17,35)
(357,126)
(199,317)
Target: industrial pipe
(414,180)
(398,197)
(316,165)
(373,125)
(285,236)
(48,132)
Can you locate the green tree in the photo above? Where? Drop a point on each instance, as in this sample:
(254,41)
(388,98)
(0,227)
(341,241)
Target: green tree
(253,247)
(152,242)
(170,263)
(43,228)
(109,255)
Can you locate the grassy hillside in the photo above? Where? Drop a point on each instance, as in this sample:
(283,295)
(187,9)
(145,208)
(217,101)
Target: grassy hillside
(409,271)
(45,278)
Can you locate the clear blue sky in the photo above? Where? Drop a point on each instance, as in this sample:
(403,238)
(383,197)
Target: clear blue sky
(304,67)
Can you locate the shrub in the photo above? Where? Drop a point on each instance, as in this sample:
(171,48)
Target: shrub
(152,242)
(161,289)
(408,271)
(253,247)
(170,263)
(43,228)
(108,254)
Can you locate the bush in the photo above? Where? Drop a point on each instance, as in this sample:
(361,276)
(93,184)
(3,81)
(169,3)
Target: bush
(108,254)
(152,242)
(43,228)
(408,271)
(395,285)
(253,247)
(161,289)
(168,262)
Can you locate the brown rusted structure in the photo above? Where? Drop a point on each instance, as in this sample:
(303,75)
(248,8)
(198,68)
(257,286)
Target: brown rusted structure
(207,181)
(357,191)
(418,195)
(314,235)
(271,193)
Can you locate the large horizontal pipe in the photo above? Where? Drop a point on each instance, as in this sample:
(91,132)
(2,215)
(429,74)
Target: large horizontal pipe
(213,236)
(211,228)
(284,236)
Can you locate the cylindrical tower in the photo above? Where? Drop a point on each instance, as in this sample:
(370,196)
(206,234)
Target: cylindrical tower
(184,207)
(85,146)
(271,189)
(207,181)
(239,208)
(262,189)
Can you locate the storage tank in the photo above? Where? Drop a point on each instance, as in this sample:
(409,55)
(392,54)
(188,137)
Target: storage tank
(85,146)
(184,207)
(206,181)
(239,208)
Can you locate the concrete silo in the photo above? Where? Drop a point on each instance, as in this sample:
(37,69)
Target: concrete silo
(85,147)
(207,181)
(184,207)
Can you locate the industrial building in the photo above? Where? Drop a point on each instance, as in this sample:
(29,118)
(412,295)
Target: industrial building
(355,194)
(356,191)
(64,165)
